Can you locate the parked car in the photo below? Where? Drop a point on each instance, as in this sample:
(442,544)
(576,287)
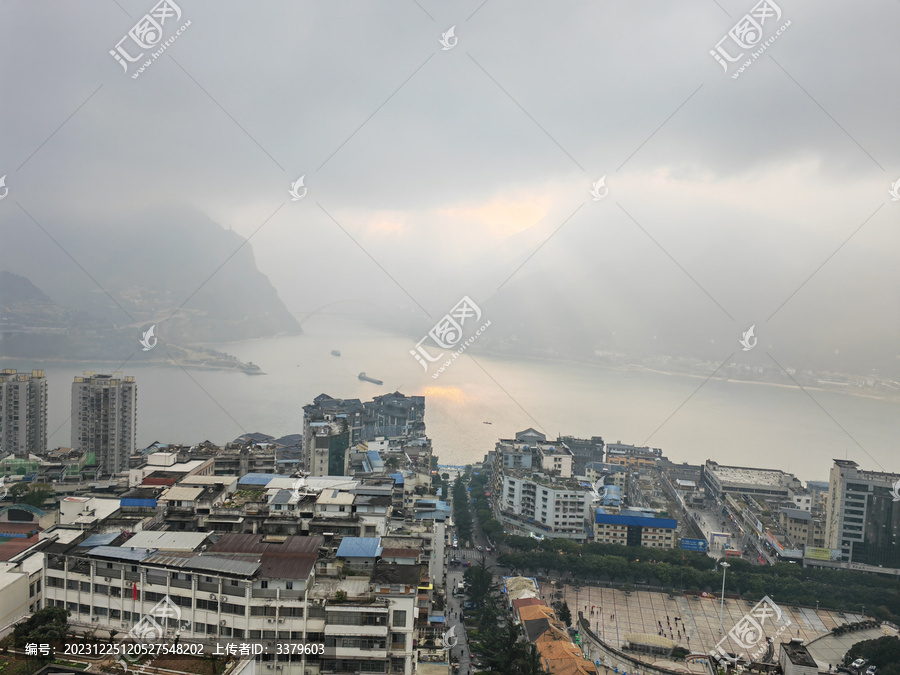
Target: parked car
(871,670)
(479,548)
(859,663)
(466,563)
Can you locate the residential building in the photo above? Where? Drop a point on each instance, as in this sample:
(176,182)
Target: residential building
(795,659)
(248,587)
(583,450)
(818,490)
(612,474)
(632,456)
(802,528)
(863,516)
(634,527)
(326,447)
(23,412)
(388,415)
(555,459)
(104,419)
(533,503)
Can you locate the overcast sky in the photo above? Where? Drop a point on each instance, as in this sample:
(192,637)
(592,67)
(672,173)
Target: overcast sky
(431,171)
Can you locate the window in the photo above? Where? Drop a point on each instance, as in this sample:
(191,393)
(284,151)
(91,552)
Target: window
(289,585)
(399,618)
(263,584)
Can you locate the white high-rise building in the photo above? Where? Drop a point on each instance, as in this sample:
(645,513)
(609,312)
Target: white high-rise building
(23,412)
(104,419)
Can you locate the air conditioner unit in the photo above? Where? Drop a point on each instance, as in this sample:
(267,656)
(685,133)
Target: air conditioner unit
(222,622)
(95,618)
(271,620)
(280,620)
(223,598)
(106,579)
(212,596)
(124,624)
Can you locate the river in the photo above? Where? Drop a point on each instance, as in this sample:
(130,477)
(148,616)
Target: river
(738,423)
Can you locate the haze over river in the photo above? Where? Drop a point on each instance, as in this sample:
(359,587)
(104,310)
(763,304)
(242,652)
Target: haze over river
(739,423)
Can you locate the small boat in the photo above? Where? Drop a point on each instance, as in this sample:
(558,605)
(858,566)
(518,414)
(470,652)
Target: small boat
(487,422)
(335,352)
(366,378)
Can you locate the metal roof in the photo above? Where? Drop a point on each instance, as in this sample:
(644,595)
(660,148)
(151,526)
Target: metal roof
(238,565)
(169,541)
(359,547)
(100,539)
(281,497)
(261,479)
(257,543)
(224,564)
(120,553)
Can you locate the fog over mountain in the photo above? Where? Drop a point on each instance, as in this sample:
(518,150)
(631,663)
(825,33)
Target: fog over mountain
(437,173)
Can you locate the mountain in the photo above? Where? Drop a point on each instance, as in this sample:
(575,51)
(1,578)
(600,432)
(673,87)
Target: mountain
(173,267)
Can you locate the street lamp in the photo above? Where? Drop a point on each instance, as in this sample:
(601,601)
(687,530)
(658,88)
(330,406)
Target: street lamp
(725,567)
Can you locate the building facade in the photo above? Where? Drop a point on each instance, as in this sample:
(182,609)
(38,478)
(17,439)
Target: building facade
(23,412)
(862,516)
(245,587)
(533,504)
(104,419)
(634,528)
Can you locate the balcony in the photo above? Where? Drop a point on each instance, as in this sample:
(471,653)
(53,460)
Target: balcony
(356,631)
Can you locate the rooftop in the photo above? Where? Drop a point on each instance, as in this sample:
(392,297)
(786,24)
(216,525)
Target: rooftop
(359,547)
(168,541)
(748,475)
(798,654)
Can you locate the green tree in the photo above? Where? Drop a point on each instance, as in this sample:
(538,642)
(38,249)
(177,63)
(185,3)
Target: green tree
(46,626)
(564,613)
(38,493)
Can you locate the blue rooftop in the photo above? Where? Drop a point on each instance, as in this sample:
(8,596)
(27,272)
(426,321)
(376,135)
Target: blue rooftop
(121,552)
(261,479)
(640,521)
(100,539)
(359,547)
(398,478)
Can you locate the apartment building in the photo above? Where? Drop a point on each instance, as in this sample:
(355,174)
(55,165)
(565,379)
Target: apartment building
(104,419)
(802,528)
(326,447)
(533,503)
(584,451)
(632,456)
(23,412)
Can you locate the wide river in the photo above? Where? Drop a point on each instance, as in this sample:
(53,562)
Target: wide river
(731,422)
